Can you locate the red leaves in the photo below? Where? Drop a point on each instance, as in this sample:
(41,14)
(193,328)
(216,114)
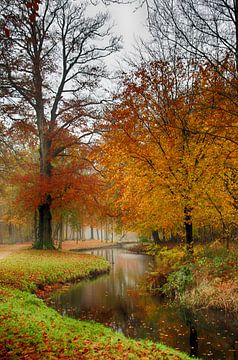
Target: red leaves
(70,186)
(6,31)
(29,5)
(33,7)
(32,17)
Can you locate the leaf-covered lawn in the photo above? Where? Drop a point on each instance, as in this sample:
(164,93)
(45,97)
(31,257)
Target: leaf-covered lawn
(31,330)
(31,269)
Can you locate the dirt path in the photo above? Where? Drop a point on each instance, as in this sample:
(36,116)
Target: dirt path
(4,254)
(86,244)
(6,250)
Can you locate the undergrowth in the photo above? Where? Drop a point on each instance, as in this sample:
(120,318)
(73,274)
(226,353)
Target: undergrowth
(208,279)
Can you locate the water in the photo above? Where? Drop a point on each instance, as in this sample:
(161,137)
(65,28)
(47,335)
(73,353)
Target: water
(118,300)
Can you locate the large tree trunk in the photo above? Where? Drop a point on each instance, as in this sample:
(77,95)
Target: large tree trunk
(45,226)
(45,240)
(188,229)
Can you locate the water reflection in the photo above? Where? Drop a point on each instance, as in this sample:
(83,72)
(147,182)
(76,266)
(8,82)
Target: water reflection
(117,300)
(193,341)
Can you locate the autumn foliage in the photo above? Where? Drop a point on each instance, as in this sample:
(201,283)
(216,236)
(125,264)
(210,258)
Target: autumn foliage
(169,146)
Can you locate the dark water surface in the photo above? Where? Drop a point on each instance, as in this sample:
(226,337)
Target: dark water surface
(117,300)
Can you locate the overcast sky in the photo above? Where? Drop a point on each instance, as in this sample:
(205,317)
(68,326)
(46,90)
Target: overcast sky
(130,23)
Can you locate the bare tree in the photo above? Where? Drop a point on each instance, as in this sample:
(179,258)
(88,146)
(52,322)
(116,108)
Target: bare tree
(206,29)
(50,67)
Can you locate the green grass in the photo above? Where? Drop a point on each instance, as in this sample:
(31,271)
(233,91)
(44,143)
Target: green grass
(31,330)
(32,269)
(28,327)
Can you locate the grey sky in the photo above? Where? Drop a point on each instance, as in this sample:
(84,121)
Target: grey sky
(128,22)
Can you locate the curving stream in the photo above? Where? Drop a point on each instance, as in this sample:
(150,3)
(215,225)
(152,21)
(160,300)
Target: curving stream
(117,300)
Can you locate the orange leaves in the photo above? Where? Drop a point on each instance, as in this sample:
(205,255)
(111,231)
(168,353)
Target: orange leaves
(68,183)
(166,144)
(73,185)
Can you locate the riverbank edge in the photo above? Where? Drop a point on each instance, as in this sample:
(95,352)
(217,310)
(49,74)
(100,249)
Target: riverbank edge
(44,291)
(28,328)
(213,285)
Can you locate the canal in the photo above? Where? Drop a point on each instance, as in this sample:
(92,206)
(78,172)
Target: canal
(118,300)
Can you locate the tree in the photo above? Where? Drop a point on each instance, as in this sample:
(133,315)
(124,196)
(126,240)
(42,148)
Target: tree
(207,30)
(203,31)
(50,69)
(158,151)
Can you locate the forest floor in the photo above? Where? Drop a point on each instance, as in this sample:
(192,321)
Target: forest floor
(7,249)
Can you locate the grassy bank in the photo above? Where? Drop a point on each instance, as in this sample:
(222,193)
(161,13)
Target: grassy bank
(29,329)
(209,279)
(214,280)
(33,269)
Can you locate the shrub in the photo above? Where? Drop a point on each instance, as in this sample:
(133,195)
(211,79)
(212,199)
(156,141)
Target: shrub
(143,239)
(152,249)
(167,261)
(177,282)
(215,294)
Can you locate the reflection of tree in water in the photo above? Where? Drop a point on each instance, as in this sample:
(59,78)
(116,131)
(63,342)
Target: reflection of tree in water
(189,319)
(116,301)
(131,319)
(193,341)
(234,350)
(216,333)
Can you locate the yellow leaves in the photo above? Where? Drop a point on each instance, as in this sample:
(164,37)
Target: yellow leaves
(12,219)
(168,148)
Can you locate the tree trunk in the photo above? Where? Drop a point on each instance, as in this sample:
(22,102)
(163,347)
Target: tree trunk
(35,227)
(66,230)
(155,236)
(236,33)
(225,235)
(60,234)
(77,234)
(83,233)
(106,231)
(98,236)
(112,232)
(10,232)
(45,240)
(92,234)
(45,226)
(188,228)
